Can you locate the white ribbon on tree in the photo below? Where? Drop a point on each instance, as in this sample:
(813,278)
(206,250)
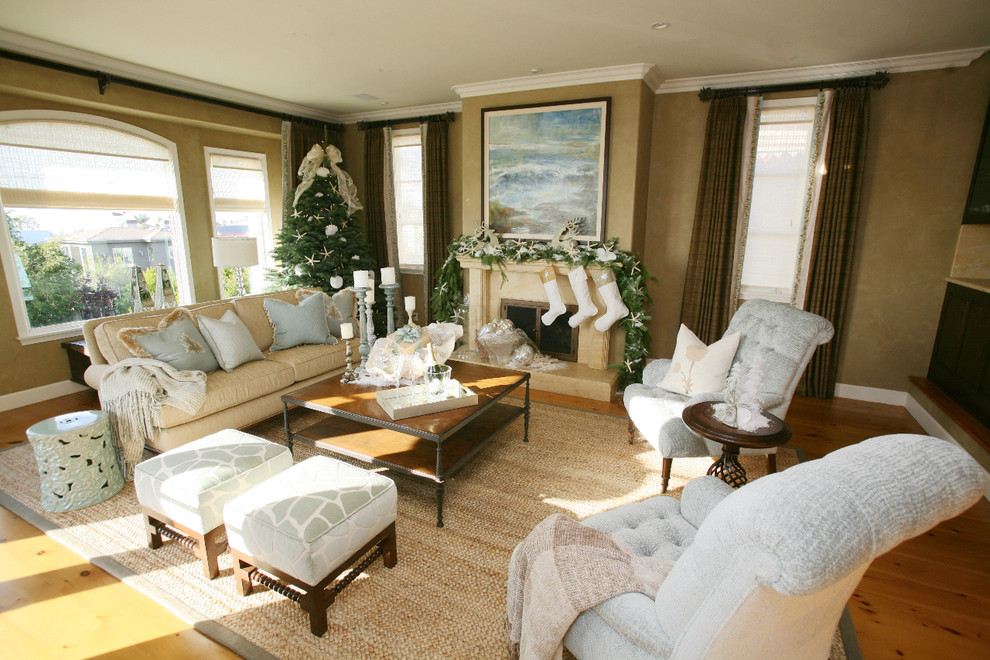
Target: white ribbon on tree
(310,166)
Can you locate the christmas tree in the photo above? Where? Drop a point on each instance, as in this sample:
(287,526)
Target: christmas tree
(321,244)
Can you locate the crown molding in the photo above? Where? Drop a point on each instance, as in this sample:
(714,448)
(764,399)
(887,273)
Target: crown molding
(399,113)
(942,60)
(84,59)
(644,72)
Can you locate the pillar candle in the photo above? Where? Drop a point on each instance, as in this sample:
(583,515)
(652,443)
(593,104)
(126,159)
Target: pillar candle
(347,331)
(388,275)
(370,296)
(361,279)
(410,304)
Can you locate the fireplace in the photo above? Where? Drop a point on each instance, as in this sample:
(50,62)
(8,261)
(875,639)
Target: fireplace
(586,373)
(557,340)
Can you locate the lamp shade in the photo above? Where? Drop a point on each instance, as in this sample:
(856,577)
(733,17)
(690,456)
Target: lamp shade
(235,251)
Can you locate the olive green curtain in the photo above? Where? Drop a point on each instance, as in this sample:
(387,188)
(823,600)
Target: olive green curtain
(375,195)
(835,230)
(435,207)
(707,304)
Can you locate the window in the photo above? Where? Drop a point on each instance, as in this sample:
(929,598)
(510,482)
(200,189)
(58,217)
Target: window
(776,225)
(123,255)
(238,183)
(84,198)
(407,168)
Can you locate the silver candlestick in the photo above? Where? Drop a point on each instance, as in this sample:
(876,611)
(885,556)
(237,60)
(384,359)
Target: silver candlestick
(390,306)
(363,347)
(348,374)
(369,304)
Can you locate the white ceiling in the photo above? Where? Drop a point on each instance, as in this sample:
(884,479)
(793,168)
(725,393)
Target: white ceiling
(320,53)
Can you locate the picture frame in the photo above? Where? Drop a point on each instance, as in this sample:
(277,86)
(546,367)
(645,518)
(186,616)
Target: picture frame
(544,164)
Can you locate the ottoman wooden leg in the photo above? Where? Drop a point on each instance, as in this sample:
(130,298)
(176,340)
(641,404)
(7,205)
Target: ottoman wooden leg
(241,573)
(771,463)
(208,548)
(315,603)
(152,528)
(389,552)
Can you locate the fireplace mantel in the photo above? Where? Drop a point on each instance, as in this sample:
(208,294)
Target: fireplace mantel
(485,289)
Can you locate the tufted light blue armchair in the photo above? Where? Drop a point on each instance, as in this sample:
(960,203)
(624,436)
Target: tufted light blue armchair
(785,337)
(765,571)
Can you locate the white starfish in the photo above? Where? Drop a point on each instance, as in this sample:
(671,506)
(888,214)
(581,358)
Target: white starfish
(300,235)
(310,261)
(326,252)
(296,213)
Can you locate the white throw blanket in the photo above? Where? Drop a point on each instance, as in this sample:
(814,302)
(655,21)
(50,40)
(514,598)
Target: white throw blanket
(133,391)
(562,569)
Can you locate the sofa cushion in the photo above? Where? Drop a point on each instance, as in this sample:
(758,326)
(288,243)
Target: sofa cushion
(294,325)
(310,360)
(252,311)
(176,341)
(223,389)
(230,340)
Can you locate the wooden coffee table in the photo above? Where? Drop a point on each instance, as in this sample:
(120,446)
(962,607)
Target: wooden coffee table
(430,446)
(700,418)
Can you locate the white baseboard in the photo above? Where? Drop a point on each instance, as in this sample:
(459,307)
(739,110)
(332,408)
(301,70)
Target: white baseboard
(36,394)
(871,394)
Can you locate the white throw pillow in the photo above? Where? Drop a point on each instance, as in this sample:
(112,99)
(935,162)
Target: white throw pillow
(230,340)
(697,368)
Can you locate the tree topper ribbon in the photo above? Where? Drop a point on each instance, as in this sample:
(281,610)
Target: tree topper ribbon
(310,166)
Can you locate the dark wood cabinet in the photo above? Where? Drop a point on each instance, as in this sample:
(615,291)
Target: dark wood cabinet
(960,364)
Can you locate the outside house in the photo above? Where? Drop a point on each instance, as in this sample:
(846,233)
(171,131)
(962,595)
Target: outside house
(134,246)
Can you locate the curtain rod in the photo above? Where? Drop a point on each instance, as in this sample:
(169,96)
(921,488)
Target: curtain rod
(104,80)
(878,80)
(447,117)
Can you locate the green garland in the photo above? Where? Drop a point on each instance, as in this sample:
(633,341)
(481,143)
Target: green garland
(628,269)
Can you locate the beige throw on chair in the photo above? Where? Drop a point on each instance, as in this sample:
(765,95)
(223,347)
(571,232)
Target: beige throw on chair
(562,569)
(133,392)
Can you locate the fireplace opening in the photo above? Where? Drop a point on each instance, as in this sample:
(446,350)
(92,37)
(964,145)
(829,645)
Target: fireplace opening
(557,340)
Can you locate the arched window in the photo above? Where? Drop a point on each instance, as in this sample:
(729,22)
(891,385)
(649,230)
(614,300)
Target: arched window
(87,201)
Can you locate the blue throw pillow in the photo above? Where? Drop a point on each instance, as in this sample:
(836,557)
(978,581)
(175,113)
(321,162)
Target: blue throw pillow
(177,342)
(305,323)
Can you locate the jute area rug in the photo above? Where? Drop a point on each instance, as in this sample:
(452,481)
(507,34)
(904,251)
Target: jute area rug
(446,596)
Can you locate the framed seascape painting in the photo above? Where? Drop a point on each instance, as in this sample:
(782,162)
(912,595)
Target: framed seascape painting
(544,165)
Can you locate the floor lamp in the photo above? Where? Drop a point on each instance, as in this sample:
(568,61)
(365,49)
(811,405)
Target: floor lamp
(235,252)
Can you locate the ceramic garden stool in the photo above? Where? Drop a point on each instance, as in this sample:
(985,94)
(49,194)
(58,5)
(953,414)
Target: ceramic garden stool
(302,528)
(76,459)
(183,491)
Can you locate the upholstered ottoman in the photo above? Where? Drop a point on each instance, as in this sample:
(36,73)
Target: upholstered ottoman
(305,526)
(183,491)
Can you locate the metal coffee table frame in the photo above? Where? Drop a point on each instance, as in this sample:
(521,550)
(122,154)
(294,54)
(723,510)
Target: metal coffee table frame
(359,428)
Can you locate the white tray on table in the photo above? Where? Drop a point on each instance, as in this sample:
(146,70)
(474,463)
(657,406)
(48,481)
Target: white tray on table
(415,400)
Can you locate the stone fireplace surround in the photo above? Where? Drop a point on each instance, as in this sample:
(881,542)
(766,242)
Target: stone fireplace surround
(589,376)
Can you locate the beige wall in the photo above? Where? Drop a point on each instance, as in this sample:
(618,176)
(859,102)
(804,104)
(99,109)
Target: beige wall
(628,157)
(191,125)
(924,133)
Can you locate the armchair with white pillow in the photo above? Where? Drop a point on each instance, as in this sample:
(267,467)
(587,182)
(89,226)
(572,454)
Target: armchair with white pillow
(779,337)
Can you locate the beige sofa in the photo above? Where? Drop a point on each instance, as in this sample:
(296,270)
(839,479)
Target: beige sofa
(248,394)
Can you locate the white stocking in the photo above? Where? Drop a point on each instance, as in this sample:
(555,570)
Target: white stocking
(549,277)
(614,307)
(586,308)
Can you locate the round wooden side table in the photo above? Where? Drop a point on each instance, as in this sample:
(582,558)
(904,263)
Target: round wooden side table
(700,418)
(76,459)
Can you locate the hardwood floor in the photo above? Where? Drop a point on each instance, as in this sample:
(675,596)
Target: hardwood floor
(929,597)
